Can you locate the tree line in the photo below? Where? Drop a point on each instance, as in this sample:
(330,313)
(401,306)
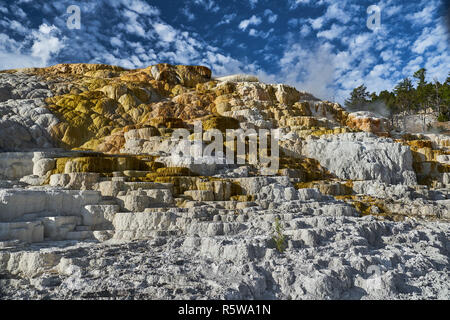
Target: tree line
(405,99)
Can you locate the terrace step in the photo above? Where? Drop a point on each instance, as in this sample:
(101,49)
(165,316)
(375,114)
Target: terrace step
(80,235)
(82,228)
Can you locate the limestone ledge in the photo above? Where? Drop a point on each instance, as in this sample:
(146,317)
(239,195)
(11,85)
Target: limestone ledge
(89,189)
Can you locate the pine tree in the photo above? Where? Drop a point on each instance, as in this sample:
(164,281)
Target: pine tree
(359,98)
(404,97)
(444,94)
(403,91)
(420,76)
(436,97)
(385,104)
(421,94)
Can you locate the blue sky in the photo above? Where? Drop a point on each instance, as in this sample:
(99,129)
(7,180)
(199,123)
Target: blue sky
(320,46)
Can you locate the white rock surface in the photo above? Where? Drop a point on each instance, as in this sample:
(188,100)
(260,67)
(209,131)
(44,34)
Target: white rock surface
(362,156)
(24,120)
(14,203)
(15,165)
(114,235)
(326,258)
(75,180)
(238,78)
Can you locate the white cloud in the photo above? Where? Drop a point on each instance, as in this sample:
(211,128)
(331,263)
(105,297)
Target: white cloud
(379,70)
(113,60)
(295,3)
(46,43)
(14,25)
(317,23)
(228,41)
(431,37)
(9,60)
(140,7)
(18,12)
(422,17)
(271,16)
(189,15)
(332,33)
(166,32)
(305,30)
(253,20)
(310,70)
(115,41)
(132,25)
(227,19)
(392,10)
(255,33)
(136,60)
(391,56)
(223,65)
(253,3)
(293,22)
(335,11)
(412,66)
(208,5)
(434,66)
(360,43)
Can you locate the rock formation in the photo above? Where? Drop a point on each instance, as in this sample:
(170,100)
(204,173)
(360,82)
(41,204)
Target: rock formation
(94,204)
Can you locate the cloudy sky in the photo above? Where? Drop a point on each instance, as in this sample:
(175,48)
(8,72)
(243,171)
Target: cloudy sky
(322,46)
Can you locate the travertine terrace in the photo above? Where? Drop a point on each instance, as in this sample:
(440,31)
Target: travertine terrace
(92,205)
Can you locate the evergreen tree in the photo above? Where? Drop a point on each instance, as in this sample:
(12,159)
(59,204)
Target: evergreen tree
(420,76)
(422,94)
(359,98)
(444,93)
(436,97)
(404,95)
(389,100)
(405,98)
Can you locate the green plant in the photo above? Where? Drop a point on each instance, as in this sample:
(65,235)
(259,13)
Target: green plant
(278,237)
(442,117)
